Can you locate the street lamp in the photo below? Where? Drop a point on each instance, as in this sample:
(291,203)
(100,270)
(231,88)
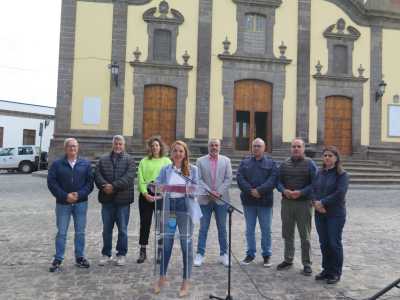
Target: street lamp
(114,67)
(381,90)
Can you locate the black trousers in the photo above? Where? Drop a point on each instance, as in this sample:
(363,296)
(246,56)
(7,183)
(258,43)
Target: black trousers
(146,210)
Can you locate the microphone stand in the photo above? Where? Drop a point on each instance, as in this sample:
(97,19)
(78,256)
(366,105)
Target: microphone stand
(231,209)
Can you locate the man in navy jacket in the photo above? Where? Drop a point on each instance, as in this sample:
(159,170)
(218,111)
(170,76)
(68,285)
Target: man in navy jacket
(257,176)
(70,180)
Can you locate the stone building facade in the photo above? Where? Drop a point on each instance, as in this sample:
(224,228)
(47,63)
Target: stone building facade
(231,69)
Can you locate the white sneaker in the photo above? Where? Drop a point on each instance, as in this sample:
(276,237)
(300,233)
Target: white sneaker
(224,259)
(120,261)
(105,260)
(198,260)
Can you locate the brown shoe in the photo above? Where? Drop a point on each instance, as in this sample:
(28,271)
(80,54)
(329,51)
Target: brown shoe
(184,291)
(159,284)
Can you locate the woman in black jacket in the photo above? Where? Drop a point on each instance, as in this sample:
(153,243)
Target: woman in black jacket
(330,187)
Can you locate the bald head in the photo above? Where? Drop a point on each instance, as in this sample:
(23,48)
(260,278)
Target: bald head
(258,148)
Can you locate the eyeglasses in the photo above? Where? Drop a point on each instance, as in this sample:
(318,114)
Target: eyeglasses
(296,146)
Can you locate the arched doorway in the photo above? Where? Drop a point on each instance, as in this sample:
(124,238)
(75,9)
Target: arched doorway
(252,113)
(159,112)
(338,123)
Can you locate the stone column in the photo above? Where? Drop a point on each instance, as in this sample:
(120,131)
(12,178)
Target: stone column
(116,112)
(303,69)
(203,68)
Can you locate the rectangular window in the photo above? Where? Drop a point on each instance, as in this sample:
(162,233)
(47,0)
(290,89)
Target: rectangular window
(242,130)
(29,137)
(25,151)
(162,45)
(254,34)
(1,136)
(255,23)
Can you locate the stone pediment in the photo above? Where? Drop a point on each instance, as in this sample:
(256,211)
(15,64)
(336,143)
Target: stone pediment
(163,15)
(340,31)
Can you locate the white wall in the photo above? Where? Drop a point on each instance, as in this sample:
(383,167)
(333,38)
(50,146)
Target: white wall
(14,127)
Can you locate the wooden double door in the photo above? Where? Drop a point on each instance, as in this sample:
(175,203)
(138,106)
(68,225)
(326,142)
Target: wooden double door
(338,123)
(252,114)
(159,112)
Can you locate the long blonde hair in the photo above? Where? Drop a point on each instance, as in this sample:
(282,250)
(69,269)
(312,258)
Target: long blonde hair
(185,163)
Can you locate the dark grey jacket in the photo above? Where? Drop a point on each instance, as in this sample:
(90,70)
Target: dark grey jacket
(120,173)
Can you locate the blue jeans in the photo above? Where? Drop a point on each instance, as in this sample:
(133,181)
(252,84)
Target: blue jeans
(330,239)
(63,216)
(264,215)
(220,218)
(114,214)
(183,221)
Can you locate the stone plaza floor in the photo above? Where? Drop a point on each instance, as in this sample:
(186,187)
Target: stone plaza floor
(27,231)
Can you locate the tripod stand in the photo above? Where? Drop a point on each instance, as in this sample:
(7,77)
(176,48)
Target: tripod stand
(231,209)
(386,289)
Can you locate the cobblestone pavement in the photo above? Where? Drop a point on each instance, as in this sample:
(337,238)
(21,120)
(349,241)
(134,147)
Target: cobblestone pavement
(27,230)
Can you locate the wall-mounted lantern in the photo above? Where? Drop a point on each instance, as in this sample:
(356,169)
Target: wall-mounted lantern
(381,90)
(114,67)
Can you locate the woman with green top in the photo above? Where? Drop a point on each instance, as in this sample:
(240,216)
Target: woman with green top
(149,169)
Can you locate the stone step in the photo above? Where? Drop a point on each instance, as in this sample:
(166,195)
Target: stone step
(236,161)
(375,181)
(362,172)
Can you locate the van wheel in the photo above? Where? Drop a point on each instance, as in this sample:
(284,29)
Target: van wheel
(25,167)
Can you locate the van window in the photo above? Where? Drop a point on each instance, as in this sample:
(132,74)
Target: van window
(25,150)
(6,151)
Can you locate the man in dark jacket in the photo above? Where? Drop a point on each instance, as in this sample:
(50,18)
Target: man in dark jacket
(256,178)
(70,181)
(115,173)
(296,175)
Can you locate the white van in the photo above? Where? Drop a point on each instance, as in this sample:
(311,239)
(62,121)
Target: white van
(22,158)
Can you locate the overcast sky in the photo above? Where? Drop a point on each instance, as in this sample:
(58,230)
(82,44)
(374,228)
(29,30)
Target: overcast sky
(29,42)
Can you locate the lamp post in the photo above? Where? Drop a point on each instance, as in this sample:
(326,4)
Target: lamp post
(114,67)
(381,90)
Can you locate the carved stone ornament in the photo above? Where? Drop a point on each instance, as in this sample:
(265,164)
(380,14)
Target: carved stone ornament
(137,54)
(339,31)
(150,15)
(263,3)
(226,44)
(318,67)
(138,2)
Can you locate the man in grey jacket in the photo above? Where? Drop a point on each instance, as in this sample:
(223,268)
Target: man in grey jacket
(215,174)
(115,173)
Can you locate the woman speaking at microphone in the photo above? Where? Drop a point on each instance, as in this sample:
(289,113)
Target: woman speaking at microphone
(184,211)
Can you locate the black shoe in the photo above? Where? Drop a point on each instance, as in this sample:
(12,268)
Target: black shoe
(267,263)
(248,259)
(159,254)
(82,262)
(284,265)
(322,276)
(307,271)
(55,265)
(142,255)
(333,279)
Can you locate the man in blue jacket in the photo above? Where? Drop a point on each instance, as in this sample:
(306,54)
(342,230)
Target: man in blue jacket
(256,177)
(70,180)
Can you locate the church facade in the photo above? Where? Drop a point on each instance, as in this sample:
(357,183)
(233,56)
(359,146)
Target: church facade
(325,70)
